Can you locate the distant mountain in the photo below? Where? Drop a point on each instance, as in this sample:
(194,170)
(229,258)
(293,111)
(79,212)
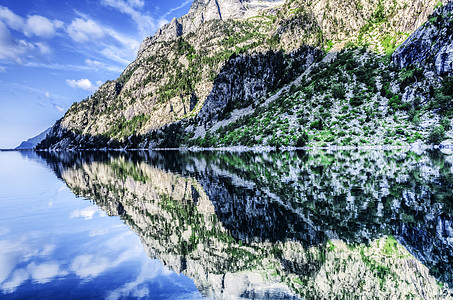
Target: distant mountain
(278,73)
(32,142)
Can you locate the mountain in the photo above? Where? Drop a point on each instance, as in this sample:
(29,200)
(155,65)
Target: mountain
(32,142)
(277,73)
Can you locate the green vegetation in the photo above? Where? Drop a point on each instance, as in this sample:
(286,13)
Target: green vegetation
(322,111)
(183,79)
(442,100)
(121,127)
(436,135)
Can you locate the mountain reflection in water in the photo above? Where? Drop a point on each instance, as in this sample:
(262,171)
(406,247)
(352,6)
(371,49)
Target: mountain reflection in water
(282,224)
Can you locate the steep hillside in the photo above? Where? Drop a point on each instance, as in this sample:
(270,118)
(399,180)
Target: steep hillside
(231,70)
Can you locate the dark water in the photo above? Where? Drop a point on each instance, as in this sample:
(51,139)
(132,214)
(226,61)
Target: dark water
(166,225)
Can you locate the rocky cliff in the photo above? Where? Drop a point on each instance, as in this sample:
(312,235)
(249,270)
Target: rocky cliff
(229,61)
(431,45)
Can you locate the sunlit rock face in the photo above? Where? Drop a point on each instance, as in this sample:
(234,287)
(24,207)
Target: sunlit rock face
(202,11)
(283,225)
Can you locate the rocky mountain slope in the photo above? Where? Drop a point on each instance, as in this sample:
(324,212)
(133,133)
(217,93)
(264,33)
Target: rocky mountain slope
(275,73)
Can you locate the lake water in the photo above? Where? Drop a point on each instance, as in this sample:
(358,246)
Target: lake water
(190,225)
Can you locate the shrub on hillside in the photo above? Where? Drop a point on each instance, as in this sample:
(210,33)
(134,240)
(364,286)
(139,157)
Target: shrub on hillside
(436,136)
(302,140)
(316,125)
(446,123)
(355,101)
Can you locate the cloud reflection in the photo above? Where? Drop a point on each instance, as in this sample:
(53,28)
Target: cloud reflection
(18,277)
(14,254)
(89,265)
(46,272)
(10,256)
(111,254)
(23,260)
(86,213)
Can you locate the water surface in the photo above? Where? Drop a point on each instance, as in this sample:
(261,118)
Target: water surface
(225,225)
(54,245)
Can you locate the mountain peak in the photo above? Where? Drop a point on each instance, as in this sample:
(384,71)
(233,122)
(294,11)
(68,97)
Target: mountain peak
(206,10)
(218,9)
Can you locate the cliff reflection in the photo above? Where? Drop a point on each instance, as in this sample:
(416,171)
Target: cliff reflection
(316,225)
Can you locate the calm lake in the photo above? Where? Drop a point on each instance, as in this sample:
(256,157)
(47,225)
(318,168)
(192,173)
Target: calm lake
(193,225)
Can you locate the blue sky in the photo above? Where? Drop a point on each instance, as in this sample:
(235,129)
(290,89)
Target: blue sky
(54,53)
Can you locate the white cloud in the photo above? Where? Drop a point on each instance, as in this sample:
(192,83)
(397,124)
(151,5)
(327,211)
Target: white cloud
(104,40)
(47,250)
(11,19)
(136,3)
(44,48)
(94,63)
(146,24)
(41,26)
(127,42)
(2,69)
(10,255)
(41,273)
(98,232)
(116,54)
(34,25)
(20,51)
(59,108)
(82,30)
(176,8)
(84,84)
(150,271)
(13,254)
(11,49)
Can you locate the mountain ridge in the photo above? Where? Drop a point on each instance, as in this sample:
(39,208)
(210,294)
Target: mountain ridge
(33,142)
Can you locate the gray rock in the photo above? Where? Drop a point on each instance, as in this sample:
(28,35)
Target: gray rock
(431,45)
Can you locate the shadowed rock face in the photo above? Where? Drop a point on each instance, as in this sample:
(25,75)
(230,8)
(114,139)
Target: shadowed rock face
(431,45)
(282,225)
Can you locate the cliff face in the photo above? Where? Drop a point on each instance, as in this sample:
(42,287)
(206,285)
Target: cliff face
(282,226)
(431,45)
(231,55)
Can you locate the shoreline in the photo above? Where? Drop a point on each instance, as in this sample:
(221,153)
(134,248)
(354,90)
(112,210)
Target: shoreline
(416,147)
